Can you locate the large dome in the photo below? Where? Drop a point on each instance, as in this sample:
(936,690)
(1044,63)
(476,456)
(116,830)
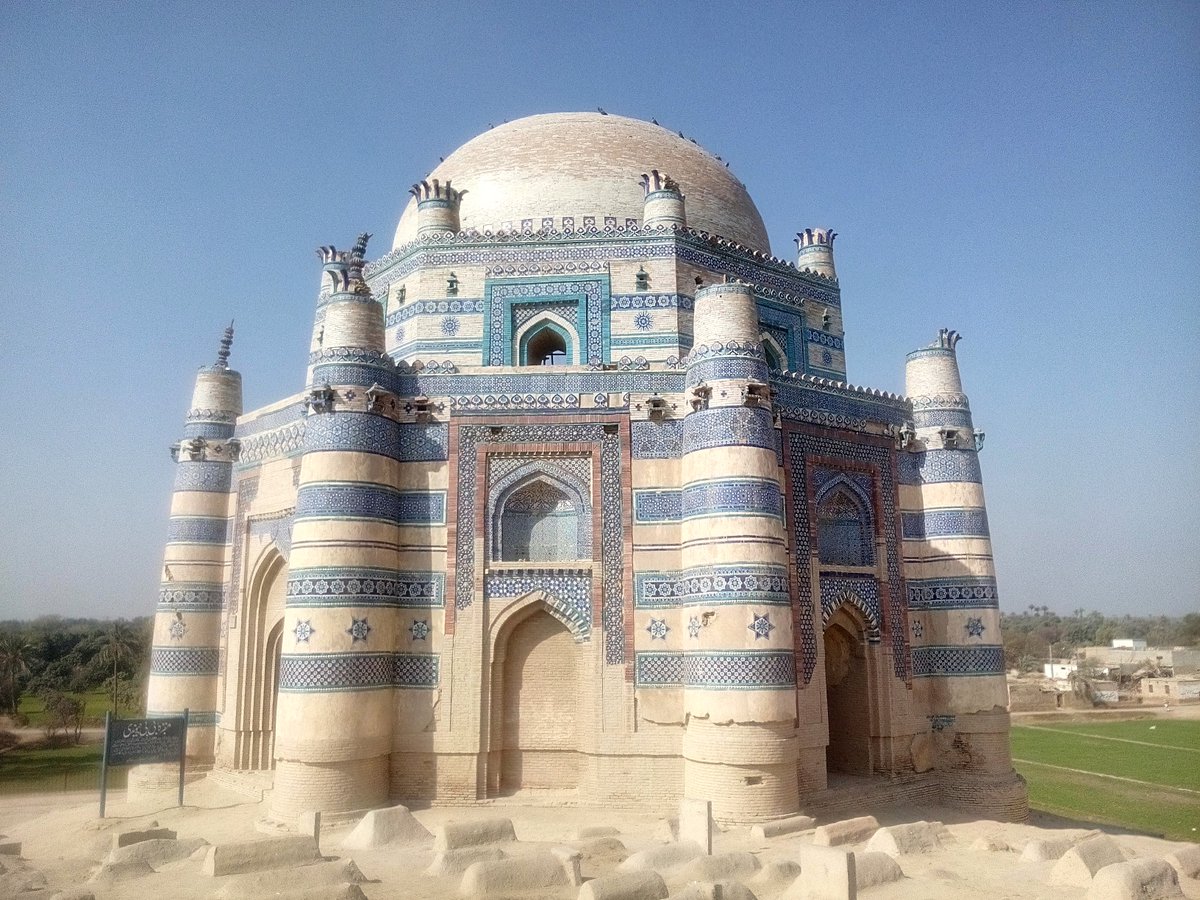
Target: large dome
(587,164)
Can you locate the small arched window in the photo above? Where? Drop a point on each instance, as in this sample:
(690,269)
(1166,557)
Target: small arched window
(773,361)
(844,536)
(539,523)
(547,346)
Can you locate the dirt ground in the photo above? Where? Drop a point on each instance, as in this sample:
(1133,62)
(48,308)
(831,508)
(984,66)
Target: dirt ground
(64,843)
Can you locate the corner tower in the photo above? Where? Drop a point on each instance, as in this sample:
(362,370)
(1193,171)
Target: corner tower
(815,251)
(739,667)
(187,621)
(335,712)
(957,650)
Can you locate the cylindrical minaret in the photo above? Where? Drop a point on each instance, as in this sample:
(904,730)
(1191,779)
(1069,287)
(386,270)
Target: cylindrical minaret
(664,202)
(334,721)
(957,651)
(187,621)
(739,670)
(437,207)
(815,251)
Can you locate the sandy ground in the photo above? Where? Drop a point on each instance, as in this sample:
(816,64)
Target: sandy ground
(64,841)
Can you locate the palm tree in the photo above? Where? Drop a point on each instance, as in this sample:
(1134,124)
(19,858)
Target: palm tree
(15,653)
(121,642)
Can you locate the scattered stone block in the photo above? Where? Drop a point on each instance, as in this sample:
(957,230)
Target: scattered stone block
(664,856)
(605,847)
(827,873)
(777,827)
(392,827)
(124,870)
(912,837)
(455,862)
(125,838)
(1185,862)
(1138,879)
(10,848)
(1077,866)
(872,868)
(1049,849)
(323,876)
(310,824)
(255,856)
(596,831)
(74,894)
(992,843)
(668,830)
(775,876)
(724,867)
(719,890)
(520,875)
(158,851)
(625,886)
(456,835)
(696,823)
(847,831)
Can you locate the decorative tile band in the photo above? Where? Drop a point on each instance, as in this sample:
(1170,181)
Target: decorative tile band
(363,586)
(356,500)
(734,367)
(729,426)
(939,466)
(286,441)
(824,338)
(839,403)
(174,661)
(270,421)
(760,585)
(569,592)
(424,443)
(215,431)
(745,670)
(417,670)
(213,477)
(652,301)
(962,522)
(942,418)
(972,592)
(352,431)
(191,596)
(455,307)
(657,440)
(733,496)
(657,506)
(329,672)
(956,661)
(858,591)
(198,530)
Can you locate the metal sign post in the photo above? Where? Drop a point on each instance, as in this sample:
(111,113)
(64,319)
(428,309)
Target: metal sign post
(130,742)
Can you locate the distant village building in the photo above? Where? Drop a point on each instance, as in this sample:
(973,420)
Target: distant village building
(576,502)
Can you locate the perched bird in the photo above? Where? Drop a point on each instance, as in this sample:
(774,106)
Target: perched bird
(654,120)
(680,133)
(600,110)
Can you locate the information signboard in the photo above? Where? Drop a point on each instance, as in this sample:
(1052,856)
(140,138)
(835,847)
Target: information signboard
(130,742)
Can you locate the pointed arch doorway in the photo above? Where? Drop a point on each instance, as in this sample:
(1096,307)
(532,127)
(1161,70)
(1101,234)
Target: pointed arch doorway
(262,641)
(533,727)
(848,694)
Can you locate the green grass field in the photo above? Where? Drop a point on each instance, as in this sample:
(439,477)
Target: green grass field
(96,704)
(1155,783)
(35,771)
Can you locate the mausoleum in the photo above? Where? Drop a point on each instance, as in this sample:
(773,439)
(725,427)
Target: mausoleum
(575,503)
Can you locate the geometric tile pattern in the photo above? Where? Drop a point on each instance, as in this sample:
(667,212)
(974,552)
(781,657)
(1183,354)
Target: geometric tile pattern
(652,301)
(525,312)
(859,591)
(945,523)
(198,530)
(203,476)
(942,418)
(657,440)
(658,669)
(358,500)
(195,597)
(363,586)
(733,496)
(746,583)
(508,475)
(424,442)
(359,432)
(940,466)
(284,441)
(336,671)
(183,661)
(729,426)
(740,670)
(657,506)
(569,592)
(890,617)
(967,592)
(588,292)
(981,659)
(416,670)
(438,307)
(470,437)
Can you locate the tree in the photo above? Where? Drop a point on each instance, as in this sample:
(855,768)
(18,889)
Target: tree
(16,652)
(120,644)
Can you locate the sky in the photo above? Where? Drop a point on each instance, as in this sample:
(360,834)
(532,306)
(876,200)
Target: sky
(1025,173)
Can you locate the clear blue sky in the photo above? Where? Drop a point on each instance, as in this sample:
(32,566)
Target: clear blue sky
(1026,173)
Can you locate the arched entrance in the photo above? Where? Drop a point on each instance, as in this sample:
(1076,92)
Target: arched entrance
(535,697)
(848,694)
(262,640)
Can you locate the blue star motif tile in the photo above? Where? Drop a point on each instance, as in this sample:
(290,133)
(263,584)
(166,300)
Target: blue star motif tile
(974,627)
(177,628)
(449,326)
(642,321)
(694,627)
(658,629)
(359,630)
(761,626)
(918,628)
(304,631)
(419,630)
